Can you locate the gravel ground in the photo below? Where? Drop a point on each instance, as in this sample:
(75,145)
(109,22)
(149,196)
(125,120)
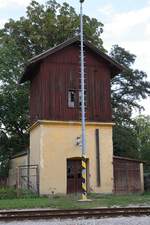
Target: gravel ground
(145,220)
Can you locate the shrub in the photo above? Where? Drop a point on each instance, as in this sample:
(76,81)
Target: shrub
(11,193)
(7,193)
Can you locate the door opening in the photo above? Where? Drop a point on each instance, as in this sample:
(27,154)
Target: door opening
(74,176)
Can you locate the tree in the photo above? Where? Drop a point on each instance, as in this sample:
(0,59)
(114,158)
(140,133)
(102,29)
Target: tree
(13,98)
(142,132)
(5,154)
(125,142)
(128,88)
(48,25)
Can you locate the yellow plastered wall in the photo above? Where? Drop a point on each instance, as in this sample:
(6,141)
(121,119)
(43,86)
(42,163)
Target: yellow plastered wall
(14,163)
(52,143)
(35,145)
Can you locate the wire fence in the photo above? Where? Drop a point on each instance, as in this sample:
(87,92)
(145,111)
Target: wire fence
(28,178)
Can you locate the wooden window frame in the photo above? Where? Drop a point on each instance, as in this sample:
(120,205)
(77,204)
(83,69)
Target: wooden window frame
(71,103)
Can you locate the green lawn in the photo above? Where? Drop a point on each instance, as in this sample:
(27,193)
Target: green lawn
(71,202)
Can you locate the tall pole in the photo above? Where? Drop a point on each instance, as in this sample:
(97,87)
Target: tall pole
(84,180)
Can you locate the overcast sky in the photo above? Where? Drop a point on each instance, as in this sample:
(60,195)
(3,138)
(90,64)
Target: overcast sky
(126,23)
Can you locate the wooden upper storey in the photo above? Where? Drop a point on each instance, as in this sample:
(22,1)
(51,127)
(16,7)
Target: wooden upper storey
(55,85)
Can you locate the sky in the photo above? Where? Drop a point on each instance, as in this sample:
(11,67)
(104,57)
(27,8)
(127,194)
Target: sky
(126,23)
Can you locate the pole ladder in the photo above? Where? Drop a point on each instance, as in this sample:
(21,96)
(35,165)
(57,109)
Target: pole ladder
(84,166)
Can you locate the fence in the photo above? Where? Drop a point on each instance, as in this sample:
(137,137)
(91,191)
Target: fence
(28,178)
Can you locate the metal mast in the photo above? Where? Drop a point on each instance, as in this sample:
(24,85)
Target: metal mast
(84,181)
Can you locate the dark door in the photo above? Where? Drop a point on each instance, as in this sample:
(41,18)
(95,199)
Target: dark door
(74,176)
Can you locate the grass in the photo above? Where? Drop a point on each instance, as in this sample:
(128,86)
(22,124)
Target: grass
(24,203)
(71,202)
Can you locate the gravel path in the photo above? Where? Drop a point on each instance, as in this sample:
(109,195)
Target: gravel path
(145,220)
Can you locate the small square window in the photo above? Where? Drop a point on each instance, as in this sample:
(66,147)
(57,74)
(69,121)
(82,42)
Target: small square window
(71,98)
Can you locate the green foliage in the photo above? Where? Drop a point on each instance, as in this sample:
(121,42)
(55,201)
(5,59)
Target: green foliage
(13,105)
(142,132)
(125,142)
(128,88)
(48,25)
(4,154)
(7,193)
(11,193)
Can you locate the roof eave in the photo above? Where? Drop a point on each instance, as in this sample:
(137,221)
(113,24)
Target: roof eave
(118,68)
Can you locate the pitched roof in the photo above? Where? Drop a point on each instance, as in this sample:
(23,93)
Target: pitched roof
(117,68)
(128,159)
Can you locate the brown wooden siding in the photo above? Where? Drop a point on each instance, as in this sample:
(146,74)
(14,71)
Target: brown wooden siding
(60,72)
(127,177)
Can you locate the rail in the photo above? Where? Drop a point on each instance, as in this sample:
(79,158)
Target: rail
(76,213)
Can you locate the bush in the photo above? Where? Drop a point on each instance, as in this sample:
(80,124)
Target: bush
(7,193)
(11,193)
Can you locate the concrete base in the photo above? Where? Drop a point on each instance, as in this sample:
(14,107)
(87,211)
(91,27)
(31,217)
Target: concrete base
(85,200)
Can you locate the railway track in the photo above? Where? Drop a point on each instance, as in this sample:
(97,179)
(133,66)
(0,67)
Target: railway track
(76,213)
